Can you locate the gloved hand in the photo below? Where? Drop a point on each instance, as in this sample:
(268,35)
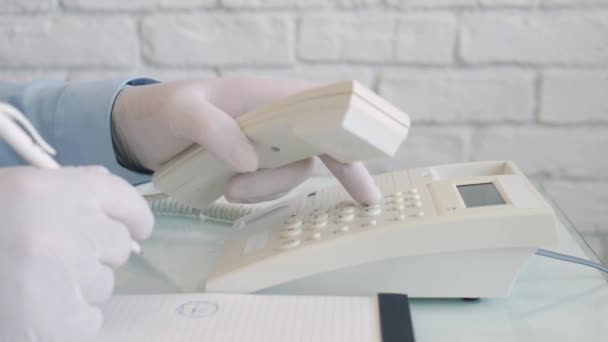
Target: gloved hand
(158,121)
(62,233)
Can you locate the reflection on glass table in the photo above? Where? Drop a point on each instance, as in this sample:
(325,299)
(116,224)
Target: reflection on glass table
(586,206)
(177,257)
(582,239)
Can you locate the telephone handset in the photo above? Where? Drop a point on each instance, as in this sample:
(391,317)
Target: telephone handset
(461,230)
(345,120)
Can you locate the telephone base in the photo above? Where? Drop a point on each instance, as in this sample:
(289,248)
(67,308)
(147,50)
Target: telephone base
(452,231)
(467,274)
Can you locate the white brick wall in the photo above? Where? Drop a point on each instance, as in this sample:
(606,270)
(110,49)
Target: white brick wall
(240,4)
(425,39)
(482,79)
(461,95)
(68,41)
(217,39)
(428,146)
(552,37)
(574,96)
(348,38)
(553,151)
(16,6)
(132,5)
(320,74)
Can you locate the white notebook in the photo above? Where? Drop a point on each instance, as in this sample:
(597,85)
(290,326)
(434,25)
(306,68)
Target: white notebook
(240,318)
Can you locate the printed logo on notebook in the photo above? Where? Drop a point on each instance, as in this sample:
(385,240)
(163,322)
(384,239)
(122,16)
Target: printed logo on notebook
(197,309)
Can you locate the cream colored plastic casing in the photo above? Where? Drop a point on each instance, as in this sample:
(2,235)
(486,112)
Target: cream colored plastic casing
(422,240)
(345,120)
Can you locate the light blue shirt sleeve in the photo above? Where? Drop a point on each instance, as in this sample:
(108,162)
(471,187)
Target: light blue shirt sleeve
(74,117)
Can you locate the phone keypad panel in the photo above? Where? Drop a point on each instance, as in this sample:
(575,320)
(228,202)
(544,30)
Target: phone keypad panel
(347,217)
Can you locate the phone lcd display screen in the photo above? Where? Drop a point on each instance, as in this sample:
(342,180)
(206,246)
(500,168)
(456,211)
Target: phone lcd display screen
(479,195)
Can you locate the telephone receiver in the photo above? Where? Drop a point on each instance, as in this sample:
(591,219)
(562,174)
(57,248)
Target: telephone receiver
(345,120)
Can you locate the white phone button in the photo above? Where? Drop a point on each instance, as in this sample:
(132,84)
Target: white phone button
(416,204)
(318,224)
(395,194)
(289,232)
(292,224)
(292,218)
(318,217)
(371,211)
(341,229)
(315,236)
(399,217)
(370,223)
(418,214)
(318,211)
(345,204)
(345,217)
(289,244)
(396,200)
(345,210)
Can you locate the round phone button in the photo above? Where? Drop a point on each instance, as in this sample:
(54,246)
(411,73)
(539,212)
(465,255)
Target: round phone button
(396,208)
(289,232)
(315,236)
(399,217)
(344,204)
(287,244)
(370,223)
(416,204)
(345,217)
(418,214)
(369,211)
(345,210)
(318,224)
(319,217)
(292,224)
(342,229)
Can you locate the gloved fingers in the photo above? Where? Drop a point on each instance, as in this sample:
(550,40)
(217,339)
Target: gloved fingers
(355,178)
(81,324)
(219,134)
(121,202)
(52,297)
(96,281)
(80,255)
(112,242)
(268,184)
(237,95)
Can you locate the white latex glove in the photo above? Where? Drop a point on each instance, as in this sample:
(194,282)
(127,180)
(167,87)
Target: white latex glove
(62,233)
(158,121)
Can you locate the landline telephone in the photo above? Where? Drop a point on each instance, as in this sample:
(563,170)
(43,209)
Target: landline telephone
(461,230)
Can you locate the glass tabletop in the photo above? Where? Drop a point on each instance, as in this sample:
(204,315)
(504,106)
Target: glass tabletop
(592,240)
(176,258)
